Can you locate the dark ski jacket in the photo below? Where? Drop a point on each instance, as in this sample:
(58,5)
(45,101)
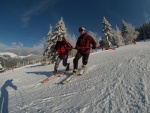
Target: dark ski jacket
(84,42)
(62,48)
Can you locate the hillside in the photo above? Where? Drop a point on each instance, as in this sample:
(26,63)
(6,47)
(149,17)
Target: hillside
(116,81)
(9,59)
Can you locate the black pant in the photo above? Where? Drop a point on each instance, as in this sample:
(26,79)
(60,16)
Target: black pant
(59,59)
(77,57)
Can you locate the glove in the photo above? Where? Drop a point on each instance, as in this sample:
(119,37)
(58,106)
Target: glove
(93,47)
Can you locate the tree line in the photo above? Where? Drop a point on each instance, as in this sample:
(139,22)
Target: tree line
(111,37)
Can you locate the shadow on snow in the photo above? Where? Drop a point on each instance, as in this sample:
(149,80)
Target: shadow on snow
(4,95)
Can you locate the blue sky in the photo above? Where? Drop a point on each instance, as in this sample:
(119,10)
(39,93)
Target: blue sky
(28,21)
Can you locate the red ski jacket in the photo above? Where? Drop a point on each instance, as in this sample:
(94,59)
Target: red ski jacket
(62,48)
(84,42)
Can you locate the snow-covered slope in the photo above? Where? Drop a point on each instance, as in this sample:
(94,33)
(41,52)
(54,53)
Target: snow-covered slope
(13,55)
(9,53)
(116,81)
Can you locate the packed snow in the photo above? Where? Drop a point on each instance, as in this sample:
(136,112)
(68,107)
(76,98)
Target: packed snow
(115,81)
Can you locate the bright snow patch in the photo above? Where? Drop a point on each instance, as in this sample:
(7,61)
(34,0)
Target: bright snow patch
(8,53)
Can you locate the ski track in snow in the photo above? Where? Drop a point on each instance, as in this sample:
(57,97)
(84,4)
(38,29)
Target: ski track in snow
(114,82)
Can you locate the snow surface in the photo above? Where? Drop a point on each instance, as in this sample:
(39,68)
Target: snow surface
(9,53)
(13,55)
(25,56)
(116,81)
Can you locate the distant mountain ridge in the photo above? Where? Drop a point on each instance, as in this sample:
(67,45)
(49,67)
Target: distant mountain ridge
(9,59)
(13,55)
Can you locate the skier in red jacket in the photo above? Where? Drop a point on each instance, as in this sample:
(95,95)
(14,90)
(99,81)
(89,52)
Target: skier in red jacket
(83,46)
(62,47)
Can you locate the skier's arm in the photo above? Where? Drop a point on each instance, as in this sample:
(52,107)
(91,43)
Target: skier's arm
(69,46)
(93,43)
(77,47)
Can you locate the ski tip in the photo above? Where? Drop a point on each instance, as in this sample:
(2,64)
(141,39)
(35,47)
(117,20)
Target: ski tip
(38,83)
(61,75)
(64,82)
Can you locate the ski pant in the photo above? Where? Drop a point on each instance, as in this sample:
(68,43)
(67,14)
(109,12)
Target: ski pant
(77,57)
(59,59)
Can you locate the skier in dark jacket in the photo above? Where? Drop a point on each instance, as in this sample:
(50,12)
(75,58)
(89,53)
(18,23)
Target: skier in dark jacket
(62,47)
(83,46)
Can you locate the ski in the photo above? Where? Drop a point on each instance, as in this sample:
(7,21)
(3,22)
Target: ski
(49,78)
(68,79)
(80,72)
(62,74)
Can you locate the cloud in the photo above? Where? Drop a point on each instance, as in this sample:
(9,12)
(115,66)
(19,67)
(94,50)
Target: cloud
(14,44)
(3,46)
(146,17)
(19,49)
(37,9)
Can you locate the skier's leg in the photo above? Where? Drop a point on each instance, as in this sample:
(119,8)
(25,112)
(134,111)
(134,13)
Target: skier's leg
(65,64)
(57,63)
(85,59)
(76,59)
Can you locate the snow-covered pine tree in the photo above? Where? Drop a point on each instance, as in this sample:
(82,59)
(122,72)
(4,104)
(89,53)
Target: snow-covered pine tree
(107,32)
(49,56)
(44,43)
(124,31)
(96,37)
(146,30)
(128,32)
(142,32)
(72,39)
(117,36)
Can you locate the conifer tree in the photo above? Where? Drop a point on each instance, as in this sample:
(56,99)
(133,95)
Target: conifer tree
(117,36)
(124,31)
(49,54)
(144,31)
(128,32)
(107,32)
(95,37)
(73,41)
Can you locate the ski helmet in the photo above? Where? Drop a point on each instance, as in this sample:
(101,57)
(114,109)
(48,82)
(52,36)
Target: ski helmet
(81,29)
